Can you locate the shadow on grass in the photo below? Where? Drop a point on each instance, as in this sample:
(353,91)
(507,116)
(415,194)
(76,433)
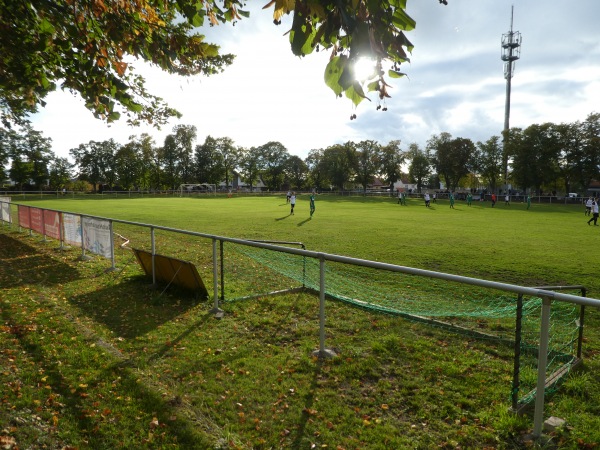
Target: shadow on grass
(133,307)
(75,402)
(21,264)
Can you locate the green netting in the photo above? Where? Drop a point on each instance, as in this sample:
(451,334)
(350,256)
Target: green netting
(479,312)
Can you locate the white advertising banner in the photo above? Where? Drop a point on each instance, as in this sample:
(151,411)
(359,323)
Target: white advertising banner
(96,236)
(5,209)
(72,229)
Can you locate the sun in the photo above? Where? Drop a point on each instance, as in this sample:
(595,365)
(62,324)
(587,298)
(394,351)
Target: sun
(364,69)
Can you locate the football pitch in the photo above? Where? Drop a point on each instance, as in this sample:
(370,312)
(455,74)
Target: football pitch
(545,245)
(133,367)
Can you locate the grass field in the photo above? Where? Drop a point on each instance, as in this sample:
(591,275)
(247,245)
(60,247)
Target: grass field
(98,360)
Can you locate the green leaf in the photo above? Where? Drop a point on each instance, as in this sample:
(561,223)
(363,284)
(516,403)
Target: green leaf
(398,3)
(333,72)
(394,74)
(197,20)
(302,35)
(403,20)
(355,93)
(46,27)
(373,86)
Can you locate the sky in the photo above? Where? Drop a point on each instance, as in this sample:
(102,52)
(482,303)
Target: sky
(455,82)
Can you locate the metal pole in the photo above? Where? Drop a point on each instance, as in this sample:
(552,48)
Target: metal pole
(44,225)
(82,238)
(61,233)
(538,415)
(322,306)
(581,324)
(218,312)
(153,243)
(580,337)
(322,352)
(112,245)
(517,357)
(222,270)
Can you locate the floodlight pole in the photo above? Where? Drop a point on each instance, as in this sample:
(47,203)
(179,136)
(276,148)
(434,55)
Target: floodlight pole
(511,51)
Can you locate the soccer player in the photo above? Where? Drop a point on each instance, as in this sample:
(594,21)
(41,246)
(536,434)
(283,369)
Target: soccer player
(594,212)
(292,202)
(312,204)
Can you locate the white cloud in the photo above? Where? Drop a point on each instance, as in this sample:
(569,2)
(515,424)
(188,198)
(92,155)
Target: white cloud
(455,82)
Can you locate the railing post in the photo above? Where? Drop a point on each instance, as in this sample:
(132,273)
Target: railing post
(222,269)
(517,360)
(44,225)
(538,415)
(218,312)
(153,249)
(581,324)
(322,352)
(112,247)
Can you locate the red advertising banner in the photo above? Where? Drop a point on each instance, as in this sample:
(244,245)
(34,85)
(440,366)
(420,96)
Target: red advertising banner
(37,224)
(24,216)
(52,224)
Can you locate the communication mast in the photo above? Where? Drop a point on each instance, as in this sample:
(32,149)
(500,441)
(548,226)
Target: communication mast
(511,51)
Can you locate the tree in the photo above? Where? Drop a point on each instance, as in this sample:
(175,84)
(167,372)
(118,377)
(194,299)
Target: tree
(30,152)
(20,171)
(7,139)
(95,161)
(60,173)
(87,46)
(128,163)
(183,139)
(296,171)
(536,153)
(316,169)
(590,141)
(149,175)
(229,155)
(339,162)
(420,167)
(367,161)
(271,160)
(207,160)
(169,161)
(249,165)
(453,159)
(489,161)
(391,160)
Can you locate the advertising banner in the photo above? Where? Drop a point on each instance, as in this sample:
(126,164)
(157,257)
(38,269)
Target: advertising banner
(52,224)
(37,222)
(96,236)
(5,211)
(24,216)
(72,229)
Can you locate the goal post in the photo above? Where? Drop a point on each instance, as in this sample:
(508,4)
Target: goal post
(197,188)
